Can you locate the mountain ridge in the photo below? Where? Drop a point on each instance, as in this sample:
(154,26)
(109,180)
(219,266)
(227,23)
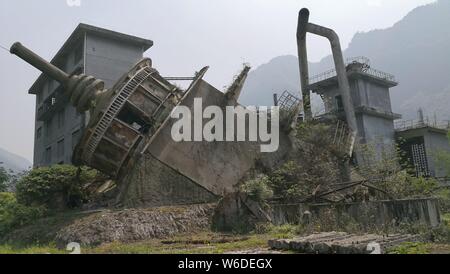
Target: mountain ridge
(415,50)
(11,161)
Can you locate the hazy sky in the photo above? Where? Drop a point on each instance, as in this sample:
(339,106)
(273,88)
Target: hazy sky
(187,35)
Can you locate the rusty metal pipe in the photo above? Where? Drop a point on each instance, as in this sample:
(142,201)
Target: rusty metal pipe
(304,27)
(341,71)
(303,19)
(38,62)
(82,90)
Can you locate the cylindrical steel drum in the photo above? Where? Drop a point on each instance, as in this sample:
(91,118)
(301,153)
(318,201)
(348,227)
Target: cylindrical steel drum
(137,105)
(121,119)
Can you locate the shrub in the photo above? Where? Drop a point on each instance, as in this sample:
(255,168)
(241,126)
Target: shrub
(444,200)
(316,163)
(257,189)
(13,214)
(56,187)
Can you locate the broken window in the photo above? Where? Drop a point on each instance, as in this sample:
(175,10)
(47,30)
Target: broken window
(130,116)
(339,103)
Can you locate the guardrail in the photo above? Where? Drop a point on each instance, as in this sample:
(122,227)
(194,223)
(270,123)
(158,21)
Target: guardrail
(365,68)
(413,124)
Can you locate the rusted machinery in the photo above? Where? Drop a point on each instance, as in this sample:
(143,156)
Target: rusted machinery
(129,135)
(120,118)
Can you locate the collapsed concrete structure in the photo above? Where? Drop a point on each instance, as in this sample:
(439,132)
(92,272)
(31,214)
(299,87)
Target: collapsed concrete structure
(129,135)
(129,132)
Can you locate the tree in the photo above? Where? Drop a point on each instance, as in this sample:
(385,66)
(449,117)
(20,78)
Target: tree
(316,164)
(57,187)
(4,179)
(14,214)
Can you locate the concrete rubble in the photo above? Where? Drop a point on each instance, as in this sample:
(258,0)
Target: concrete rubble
(136,224)
(341,243)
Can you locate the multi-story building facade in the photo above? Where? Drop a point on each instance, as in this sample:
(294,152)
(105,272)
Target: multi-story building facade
(369,89)
(102,53)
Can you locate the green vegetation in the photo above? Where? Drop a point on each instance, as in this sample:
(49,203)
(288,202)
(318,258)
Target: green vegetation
(298,178)
(411,248)
(258,189)
(40,193)
(327,166)
(14,214)
(440,243)
(215,243)
(57,187)
(200,243)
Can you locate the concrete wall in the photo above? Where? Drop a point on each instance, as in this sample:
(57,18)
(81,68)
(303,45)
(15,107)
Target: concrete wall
(377,213)
(363,92)
(372,128)
(108,59)
(370,94)
(217,166)
(214,167)
(436,142)
(152,183)
(376,130)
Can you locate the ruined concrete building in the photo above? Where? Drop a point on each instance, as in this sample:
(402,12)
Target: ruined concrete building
(369,90)
(358,95)
(128,133)
(123,126)
(102,53)
(422,140)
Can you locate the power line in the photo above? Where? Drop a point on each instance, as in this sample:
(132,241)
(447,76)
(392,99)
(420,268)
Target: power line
(1,46)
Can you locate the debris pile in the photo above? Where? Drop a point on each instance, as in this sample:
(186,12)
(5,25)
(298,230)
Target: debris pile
(342,243)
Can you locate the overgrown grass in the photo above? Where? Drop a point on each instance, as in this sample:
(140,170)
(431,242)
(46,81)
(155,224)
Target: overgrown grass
(216,243)
(411,248)
(45,249)
(202,243)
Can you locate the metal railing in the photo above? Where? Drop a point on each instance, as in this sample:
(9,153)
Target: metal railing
(364,69)
(380,74)
(413,124)
(323,76)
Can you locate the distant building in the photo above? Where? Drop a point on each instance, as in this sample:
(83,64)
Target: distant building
(102,53)
(369,89)
(422,140)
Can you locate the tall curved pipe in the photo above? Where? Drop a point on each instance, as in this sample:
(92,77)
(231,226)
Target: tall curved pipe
(303,19)
(304,27)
